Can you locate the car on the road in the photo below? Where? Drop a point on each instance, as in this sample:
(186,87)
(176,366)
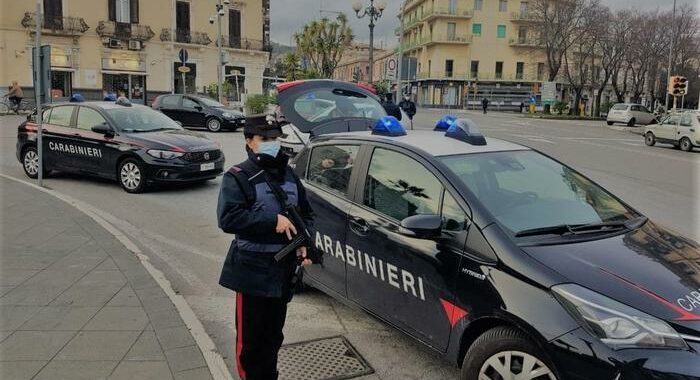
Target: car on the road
(132,144)
(199,112)
(680,129)
(630,114)
(505,261)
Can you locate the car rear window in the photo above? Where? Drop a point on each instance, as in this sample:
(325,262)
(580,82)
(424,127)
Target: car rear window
(619,107)
(320,105)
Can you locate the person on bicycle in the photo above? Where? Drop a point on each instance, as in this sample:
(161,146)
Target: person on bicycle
(15,95)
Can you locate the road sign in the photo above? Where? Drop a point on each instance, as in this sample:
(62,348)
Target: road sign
(183,55)
(549,92)
(44,80)
(533,99)
(184,69)
(391,65)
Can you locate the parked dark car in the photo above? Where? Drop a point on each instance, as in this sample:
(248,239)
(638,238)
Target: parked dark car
(199,112)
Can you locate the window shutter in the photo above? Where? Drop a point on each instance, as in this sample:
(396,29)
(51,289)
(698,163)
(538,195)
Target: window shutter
(134,7)
(112,7)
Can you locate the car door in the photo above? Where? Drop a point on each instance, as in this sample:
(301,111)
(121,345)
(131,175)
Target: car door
(667,129)
(58,138)
(685,126)
(170,106)
(192,112)
(98,152)
(327,182)
(406,280)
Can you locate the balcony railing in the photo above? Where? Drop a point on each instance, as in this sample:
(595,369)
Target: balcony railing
(243,43)
(124,31)
(185,36)
(437,39)
(522,16)
(57,25)
(492,77)
(446,12)
(524,42)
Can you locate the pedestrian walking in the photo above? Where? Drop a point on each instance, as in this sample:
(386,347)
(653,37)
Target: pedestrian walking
(522,105)
(15,95)
(250,207)
(390,107)
(484,104)
(408,107)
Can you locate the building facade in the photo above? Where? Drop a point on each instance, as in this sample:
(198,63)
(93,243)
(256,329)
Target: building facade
(133,46)
(470,49)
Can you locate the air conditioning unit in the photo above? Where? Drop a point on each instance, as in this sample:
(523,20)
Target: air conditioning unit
(115,43)
(134,45)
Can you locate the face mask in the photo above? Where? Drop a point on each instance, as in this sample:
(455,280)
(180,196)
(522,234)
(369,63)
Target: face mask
(269,148)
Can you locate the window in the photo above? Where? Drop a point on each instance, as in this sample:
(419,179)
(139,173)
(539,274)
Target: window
(503,5)
(61,116)
(182,22)
(53,14)
(522,34)
(475,69)
(170,102)
(88,118)
(124,11)
(524,8)
(499,70)
(399,187)
(478,4)
(501,31)
(452,7)
(454,218)
(330,166)
(476,29)
(635,108)
(320,105)
(188,103)
(519,68)
(540,70)
(451,31)
(687,120)
(671,120)
(619,107)
(234,28)
(448,68)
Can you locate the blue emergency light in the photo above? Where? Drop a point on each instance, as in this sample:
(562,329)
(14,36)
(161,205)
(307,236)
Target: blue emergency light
(110,98)
(465,130)
(76,98)
(388,126)
(445,123)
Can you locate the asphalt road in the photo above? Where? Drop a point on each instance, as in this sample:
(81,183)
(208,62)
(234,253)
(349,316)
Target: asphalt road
(178,226)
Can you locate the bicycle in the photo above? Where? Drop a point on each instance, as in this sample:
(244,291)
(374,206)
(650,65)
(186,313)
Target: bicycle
(7,105)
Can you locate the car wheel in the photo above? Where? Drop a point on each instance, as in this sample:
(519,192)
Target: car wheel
(131,176)
(30,162)
(686,145)
(213,124)
(631,122)
(505,353)
(649,139)
(610,123)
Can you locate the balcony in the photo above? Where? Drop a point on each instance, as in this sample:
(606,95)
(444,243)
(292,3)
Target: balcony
(243,43)
(522,17)
(185,36)
(410,4)
(527,42)
(492,77)
(123,31)
(448,39)
(410,24)
(446,13)
(57,25)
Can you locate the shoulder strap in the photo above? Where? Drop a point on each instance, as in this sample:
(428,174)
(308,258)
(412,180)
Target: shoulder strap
(242,175)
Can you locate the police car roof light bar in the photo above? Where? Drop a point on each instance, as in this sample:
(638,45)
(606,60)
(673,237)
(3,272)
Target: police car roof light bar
(445,123)
(388,126)
(123,101)
(76,98)
(110,98)
(465,130)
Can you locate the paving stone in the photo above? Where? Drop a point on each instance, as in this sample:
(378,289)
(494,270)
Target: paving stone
(60,318)
(153,291)
(154,305)
(20,370)
(146,348)
(15,276)
(175,337)
(11,317)
(133,370)
(98,345)
(26,260)
(33,345)
(125,297)
(126,318)
(35,295)
(165,319)
(184,358)
(202,373)
(5,289)
(5,334)
(107,265)
(86,295)
(76,370)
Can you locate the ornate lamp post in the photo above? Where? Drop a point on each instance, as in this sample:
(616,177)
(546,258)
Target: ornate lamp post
(374,12)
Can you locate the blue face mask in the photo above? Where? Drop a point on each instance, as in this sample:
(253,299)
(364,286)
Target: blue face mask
(270,148)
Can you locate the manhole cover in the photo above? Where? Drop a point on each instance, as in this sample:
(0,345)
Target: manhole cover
(321,359)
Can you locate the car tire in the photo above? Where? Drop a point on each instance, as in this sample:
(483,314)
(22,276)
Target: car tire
(213,124)
(686,145)
(131,176)
(649,139)
(610,123)
(631,122)
(30,162)
(484,358)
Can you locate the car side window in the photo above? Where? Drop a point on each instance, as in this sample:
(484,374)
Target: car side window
(644,109)
(671,120)
(454,218)
(189,103)
(686,120)
(635,108)
(399,186)
(88,118)
(169,102)
(61,116)
(330,166)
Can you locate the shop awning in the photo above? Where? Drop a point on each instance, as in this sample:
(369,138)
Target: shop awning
(117,72)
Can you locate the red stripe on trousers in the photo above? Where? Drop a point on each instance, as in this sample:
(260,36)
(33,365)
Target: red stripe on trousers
(239,334)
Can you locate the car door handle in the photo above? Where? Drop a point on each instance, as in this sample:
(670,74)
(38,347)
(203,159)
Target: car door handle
(359,225)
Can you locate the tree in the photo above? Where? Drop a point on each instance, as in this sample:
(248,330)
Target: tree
(580,56)
(291,67)
(323,43)
(614,34)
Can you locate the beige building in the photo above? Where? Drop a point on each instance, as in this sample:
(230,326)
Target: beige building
(100,47)
(470,49)
(354,64)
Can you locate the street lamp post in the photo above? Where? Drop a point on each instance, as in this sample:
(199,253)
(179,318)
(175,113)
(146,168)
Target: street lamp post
(374,13)
(220,60)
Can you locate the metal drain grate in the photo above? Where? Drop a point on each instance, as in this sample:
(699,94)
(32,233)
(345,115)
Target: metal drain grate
(331,358)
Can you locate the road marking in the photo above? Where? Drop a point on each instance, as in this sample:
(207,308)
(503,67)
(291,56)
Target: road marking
(215,361)
(541,140)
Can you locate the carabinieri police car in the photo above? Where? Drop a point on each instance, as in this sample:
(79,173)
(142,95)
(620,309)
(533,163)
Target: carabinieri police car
(509,263)
(117,140)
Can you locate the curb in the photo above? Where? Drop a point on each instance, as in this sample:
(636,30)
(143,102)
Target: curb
(215,362)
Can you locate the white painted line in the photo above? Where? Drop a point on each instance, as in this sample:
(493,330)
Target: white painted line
(541,140)
(206,345)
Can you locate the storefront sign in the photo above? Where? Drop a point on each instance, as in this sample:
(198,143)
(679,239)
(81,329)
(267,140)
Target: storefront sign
(61,57)
(123,64)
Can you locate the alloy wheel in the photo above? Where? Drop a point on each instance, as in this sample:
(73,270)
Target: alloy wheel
(515,365)
(130,176)
(31,162)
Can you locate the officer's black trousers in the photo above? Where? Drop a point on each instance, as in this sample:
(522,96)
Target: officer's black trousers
(259,323)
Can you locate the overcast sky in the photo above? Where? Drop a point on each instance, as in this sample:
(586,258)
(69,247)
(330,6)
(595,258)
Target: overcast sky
(289,16)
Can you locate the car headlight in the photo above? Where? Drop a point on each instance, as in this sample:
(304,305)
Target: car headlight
(165,154)
(617,325)
(229,115)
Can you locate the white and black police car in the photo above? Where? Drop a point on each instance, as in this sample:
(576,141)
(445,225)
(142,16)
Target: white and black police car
(509,263)
(133,144)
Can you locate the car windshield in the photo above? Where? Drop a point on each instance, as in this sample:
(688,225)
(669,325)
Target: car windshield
(525,190)
(210,102)
(140,119)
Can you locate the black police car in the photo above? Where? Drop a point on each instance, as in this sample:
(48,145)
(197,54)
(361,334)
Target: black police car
(117,140)
(507,262)
(199,112)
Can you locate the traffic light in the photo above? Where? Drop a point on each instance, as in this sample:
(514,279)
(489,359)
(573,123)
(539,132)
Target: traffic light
(682,85)
(678,85)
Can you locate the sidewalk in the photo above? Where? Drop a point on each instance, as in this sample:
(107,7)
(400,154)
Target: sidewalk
(76,304)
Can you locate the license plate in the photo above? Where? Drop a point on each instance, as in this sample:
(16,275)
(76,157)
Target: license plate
(205,167)
(241,121)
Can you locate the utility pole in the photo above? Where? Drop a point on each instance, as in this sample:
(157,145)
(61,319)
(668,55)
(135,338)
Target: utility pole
(220,60)
(400,54)
(37,92)
(670,50)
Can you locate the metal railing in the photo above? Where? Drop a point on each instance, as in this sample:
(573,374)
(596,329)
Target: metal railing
(57,25)
(243,43)
(524,42)
(185,36)
(438,39)
(486,77)
(124,31)
(447,12)
(522,16)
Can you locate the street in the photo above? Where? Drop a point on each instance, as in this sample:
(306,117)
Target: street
(178,227)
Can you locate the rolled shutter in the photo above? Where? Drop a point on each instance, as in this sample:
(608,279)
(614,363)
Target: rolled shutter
(134,8)
(112,8)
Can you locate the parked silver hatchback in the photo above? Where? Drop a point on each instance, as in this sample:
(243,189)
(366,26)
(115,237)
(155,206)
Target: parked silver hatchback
(630,114)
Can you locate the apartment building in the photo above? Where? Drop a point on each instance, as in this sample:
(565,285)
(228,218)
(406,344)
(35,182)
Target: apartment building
(105,46)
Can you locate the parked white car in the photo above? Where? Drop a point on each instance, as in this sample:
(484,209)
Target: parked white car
(680,129)
(630,114)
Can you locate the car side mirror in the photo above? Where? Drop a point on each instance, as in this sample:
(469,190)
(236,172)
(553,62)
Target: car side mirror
(102,129)
(421,226)
(198,108)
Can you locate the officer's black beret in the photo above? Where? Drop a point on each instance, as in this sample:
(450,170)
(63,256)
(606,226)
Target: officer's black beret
(262,125)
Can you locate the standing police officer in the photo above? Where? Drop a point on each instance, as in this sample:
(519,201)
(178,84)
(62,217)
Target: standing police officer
(249,208)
